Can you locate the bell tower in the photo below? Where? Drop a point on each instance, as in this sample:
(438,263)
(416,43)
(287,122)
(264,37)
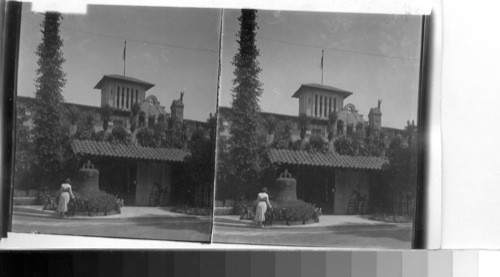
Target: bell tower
(121,92)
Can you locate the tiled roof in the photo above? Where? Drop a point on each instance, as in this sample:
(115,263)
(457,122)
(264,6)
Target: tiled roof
(345,93)
(330,159)
(147,85)
(107,149)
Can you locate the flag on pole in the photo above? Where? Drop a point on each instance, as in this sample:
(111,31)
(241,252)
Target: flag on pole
(321,66)
(124,50)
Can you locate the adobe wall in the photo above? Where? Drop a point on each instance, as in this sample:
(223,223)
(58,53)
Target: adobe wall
(345,182)
(147,174)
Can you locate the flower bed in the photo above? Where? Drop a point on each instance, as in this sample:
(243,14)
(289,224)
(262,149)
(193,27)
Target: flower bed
(191,210)
(294,213)
(95,204)
(393,218)
(298,212)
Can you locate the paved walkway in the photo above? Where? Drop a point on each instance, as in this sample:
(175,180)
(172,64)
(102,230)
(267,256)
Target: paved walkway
(324,221)
(126,212)
(134,222)
(331,231)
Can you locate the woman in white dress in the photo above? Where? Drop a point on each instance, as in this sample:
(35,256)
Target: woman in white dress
(66,195)
(262,205)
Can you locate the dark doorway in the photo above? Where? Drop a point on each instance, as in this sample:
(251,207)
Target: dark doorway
(118,177)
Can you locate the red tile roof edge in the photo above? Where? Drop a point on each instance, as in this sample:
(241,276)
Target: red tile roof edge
(122,151)
(304,158)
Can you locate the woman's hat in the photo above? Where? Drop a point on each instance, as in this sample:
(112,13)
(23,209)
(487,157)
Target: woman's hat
(265,190)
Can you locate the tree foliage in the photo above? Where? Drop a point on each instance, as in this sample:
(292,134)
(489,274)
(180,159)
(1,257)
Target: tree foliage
(146,137)
(50,80)
(134,114)
(24,152)
(106,113)
(332,118)
(270,124)
(86,131)
(400,176)
(344,146)
(316,143)
(201,161)
(73,115)
(119,135)
(304,122)
(243,143)
(160,135)
(283,139)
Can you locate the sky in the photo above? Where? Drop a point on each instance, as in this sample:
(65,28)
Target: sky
(175,49)
(373,56)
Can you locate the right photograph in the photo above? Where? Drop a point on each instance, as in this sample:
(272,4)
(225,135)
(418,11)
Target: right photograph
(317,132)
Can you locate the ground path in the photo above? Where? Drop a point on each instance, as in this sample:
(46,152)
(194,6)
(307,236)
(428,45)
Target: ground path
(345,232)
(157,225)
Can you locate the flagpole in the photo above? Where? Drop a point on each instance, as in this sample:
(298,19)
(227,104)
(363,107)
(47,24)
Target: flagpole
(124,57)
(322,52)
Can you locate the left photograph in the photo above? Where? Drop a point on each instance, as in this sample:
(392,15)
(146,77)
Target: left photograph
(115,127)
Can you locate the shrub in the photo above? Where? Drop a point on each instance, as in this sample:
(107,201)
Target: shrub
(100,136)
(296,211)
(316,143)
(95,202)
(393,218)
(191,210)
(146,137)
(43,197)
(77,204)
(344,146)
(240,206)
(119,135)
(101,202)
(291,212)
(85,134)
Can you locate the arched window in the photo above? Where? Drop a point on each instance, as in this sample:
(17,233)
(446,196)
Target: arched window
(326,107)
(340,127)
(316,105)
(329,105)
(128,98)
(142,119)
(321,106)
(118,97)
(123,98)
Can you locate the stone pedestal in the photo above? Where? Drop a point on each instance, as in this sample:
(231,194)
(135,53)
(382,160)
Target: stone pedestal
(88,180)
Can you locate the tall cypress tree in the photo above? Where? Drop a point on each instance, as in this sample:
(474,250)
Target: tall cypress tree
(50,80)
(245,105)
